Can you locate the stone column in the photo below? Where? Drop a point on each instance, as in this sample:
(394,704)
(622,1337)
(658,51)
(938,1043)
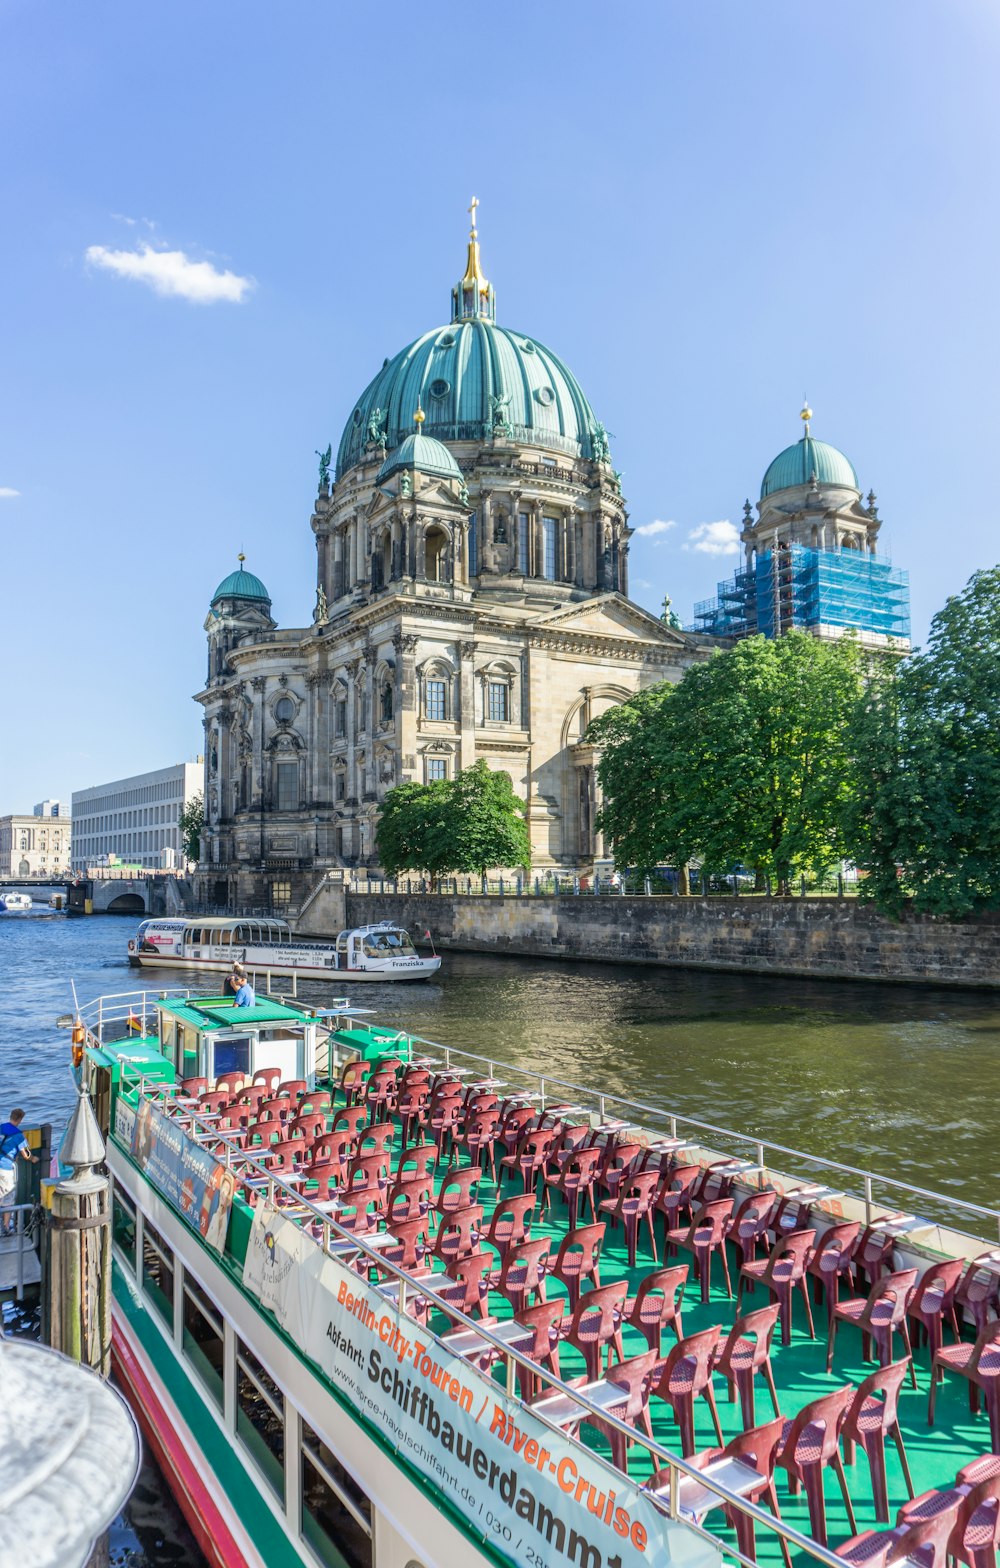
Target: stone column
(223,777)
(259,684)
(467,703)
(408,706)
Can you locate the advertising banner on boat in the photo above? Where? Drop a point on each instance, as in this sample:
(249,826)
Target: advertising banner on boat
(534,1494)
(186,1174)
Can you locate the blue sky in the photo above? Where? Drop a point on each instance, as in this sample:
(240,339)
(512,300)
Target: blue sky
(706,210)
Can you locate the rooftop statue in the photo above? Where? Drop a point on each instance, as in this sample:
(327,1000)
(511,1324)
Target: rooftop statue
(499,404)
(599,444)
(325,459)
(376,431)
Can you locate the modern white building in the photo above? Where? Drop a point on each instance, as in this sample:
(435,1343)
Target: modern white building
(135,821)
(48,808)
(34,846)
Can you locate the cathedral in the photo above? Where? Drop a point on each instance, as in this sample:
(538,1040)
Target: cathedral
(471,602)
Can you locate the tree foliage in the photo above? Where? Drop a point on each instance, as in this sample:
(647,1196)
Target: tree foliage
(191,821)
(926,820)
(469,824)
(745,759)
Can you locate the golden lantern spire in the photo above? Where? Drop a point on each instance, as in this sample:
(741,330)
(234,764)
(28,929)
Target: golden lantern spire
(806,413)
(419,417)
(473,295)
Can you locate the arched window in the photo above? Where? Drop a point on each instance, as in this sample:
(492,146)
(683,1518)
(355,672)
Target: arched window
(385,702)
(436,567)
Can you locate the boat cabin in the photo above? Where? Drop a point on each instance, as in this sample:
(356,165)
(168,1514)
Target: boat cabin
(205,1037)
(200,936)
(356,949)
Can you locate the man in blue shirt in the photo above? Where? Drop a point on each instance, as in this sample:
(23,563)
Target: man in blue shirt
(244,996)
(13,1147)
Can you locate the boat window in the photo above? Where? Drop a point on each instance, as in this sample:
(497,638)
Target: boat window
(189,1052)
(158,1271)
(225,936)
(398,942)
(342,942)
(232,1055)
(123,1224)
(241,934)
(203,1337)
(168,1039)
(336,1514)
(260,1416)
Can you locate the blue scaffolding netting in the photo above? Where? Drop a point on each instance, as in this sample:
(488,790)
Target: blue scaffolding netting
(809,588)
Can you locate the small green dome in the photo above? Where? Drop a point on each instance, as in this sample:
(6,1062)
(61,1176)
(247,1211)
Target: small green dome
(797,464)
(424,453)
(241,585)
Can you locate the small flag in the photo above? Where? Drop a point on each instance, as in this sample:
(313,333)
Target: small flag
(134,1026)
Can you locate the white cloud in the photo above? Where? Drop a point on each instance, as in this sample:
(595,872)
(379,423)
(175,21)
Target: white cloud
(7,494)
(649,530)
(172,273)
(722,538)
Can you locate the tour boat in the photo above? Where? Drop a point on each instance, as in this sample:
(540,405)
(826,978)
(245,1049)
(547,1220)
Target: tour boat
(15,903)
(359,1315)
(266,947)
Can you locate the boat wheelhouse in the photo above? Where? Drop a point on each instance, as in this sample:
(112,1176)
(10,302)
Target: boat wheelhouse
(407,1307)
(266,947)
(15,903)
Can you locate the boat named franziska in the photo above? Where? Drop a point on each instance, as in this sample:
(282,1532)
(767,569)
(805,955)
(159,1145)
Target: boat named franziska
(265,946)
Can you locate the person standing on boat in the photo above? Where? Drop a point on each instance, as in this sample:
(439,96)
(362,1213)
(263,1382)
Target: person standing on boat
(235,978)
(13,1147)
(244,996)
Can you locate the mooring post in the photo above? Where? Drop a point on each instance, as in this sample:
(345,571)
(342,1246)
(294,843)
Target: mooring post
(77,1285)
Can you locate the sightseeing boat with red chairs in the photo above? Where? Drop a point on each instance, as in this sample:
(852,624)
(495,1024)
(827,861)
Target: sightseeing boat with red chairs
(380,1303)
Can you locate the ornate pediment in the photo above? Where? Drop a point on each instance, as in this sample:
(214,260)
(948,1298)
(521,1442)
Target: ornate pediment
(610,615)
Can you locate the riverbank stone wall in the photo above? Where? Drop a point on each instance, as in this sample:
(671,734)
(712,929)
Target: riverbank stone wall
(828,938)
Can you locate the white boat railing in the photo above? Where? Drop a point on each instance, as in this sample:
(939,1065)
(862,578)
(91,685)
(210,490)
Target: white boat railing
(658,1121)
(300,1209)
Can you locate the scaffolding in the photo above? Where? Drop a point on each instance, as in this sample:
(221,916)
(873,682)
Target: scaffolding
(814,590)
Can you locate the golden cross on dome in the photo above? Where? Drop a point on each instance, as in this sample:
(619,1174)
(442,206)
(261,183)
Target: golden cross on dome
(472,213)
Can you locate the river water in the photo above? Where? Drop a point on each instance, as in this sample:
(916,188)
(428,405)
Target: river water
(895,1079)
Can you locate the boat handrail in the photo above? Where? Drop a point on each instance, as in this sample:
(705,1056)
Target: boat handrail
(761,1146)
(674,1463)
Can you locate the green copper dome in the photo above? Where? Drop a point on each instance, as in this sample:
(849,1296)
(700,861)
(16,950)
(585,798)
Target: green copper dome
(241,585)
(424,453)
(797,464)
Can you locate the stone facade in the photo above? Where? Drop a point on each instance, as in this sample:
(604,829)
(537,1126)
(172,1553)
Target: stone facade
(471,602)
(35,846)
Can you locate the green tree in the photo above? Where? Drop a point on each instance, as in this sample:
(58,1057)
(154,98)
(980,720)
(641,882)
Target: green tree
(469,824)
(745,759)
(927,822)
(191,820)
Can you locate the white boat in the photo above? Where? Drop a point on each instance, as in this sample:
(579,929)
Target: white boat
(15,903)
(265,947)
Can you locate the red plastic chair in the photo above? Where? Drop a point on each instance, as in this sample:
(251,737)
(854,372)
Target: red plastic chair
(873,1253)
(268,1078)
(879,1316)
(529,1157)
(656,1305)
(750,1224)
(543,1321)
(263,1132)
(578,1259)
(510,1223)
(574,1179)
(376,1138)
(976,1533)
(634,1203)
(809,1444)
(923,1545)
(617,1161)
(278,1108)
(869,1421)
(445,1120)
(194,1086)
(417,1160)
(308,1127)
(316,1100)
(412,1109)
(757,1449)
(686,1374)
(213,1101)
(978,1295)
(705,1235)
(457,1189)
(635,1378)
(832,1259)
(284,1157)
(349,1119)
(293,1089)
(933,1298)
(746,1352)
(411,1249)
(353,1079)
(514,1123)
(459,1234)
(465,1284)
(381,1095)
(333,1149)
(596,1323)
(979,1364)
(480,1136)
(230,1083)
(780,1273)
(409,1199)
(321,1188)
(675,1194)
(522,1273)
